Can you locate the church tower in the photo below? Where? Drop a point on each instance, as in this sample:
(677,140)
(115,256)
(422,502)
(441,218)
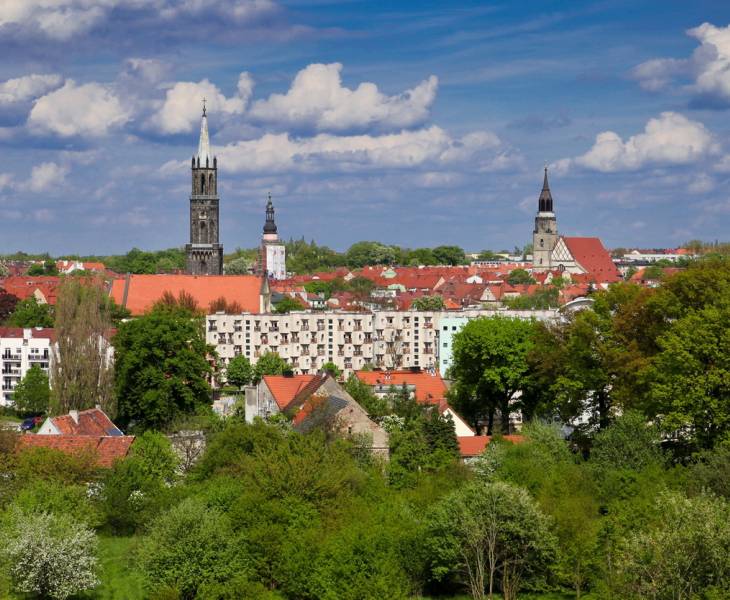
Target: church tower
(273,252)
(204,252)
(545,234)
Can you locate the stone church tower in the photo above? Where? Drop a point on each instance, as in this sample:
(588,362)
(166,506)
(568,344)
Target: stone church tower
(273,252)
(545,235)
(204,252)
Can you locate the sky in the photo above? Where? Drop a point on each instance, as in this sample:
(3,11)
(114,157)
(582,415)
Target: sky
(412,123)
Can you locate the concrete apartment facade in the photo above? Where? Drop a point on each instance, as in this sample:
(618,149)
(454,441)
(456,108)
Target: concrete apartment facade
(307,339)
(20,349)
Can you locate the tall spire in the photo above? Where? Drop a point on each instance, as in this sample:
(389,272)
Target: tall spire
(270,225)
(545,203)
(205,156)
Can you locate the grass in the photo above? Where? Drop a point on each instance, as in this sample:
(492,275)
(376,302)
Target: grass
(119,578)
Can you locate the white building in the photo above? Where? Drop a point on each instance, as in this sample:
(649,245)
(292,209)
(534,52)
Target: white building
(273,252)
(20,349)
(307,339)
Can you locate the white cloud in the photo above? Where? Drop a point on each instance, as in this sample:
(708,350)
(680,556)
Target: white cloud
(180,112)
(701,184)
(90,109)
(708,68)
(318,99)
(63,19)
(280,152)
(6,180)
(28,87)
(46,176)
(668,139)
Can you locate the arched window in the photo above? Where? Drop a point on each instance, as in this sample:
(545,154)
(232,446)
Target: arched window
(210,184)
(202,184)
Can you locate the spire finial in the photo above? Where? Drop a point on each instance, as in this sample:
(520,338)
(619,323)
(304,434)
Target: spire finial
(204,101)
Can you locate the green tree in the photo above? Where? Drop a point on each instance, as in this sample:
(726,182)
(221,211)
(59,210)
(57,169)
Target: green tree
(493,533)
(628,443)
(449,255)
(332,369)
(685,553)
(32,394)
(361,254)
(187,547)
(690,377)
(428,303)
(288,304)
(361,287)
(269,364)
(519,277)
(161,370)
(29,313)
(238,266)
(51,556)
(363,394)
(239,371)
(542,299)
(488,255)
(490,367)
(421,256)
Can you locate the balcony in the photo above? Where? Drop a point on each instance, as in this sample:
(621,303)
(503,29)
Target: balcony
(11,357)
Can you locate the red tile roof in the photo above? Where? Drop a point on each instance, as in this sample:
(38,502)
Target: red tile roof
(590,254)
(140,292)
(430,389)
(93,422)
(107,448)
(284,388)
(25,286)
(474,445)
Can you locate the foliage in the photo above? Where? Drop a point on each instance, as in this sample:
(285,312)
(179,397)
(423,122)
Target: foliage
(223,305)
(51,555)
(82,372)
(139,262)
(332,369)
(29,313)
(238,266)
(161,369)
(269,364)
(8,302)
(628,443)
(239,371)
(494,534)
(449,255)
(428,303)
(544,298)
(519,277)
(490,364)
(288,304)
(683,554)
(363,394)
(32,394)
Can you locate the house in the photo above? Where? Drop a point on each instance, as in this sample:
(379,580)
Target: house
(105,448)
(20,349)
(313,401)
(471,447)
(92,422)
(139,293)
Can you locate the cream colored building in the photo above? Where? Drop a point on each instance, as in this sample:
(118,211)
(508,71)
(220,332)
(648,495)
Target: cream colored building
(309,339)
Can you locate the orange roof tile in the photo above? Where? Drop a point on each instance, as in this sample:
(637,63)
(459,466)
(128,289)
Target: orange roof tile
(430,389)
(140,292)
(285,388)
(107,448)
(590,254)
(92,422)
(474,445)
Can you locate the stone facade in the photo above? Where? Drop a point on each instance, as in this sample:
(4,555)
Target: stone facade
(309,339)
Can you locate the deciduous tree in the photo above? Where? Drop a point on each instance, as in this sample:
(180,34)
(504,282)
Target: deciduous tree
(32,394)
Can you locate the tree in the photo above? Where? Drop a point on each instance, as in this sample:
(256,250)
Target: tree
(82,369)
(361,254)
(288,304)
(492,532)
(332,369)
(490,367)
(361,287)
(8,302)
(50,555)
(239,371)
(488,255)
(628,443)
(690,376)
(238,266)
(542,299)
(161,368)
(519,277)
(449,255)
(32,394)
(188,546)
(684,553)
(363,394)
(30,313)
(428,303)
(269,364)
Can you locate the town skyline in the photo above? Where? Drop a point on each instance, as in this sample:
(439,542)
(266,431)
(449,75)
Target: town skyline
(357,135)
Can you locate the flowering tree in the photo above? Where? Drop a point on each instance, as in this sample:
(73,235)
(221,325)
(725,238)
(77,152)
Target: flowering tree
(50,555)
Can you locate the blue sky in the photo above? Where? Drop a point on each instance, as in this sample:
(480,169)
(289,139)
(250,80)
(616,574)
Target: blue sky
(416,123)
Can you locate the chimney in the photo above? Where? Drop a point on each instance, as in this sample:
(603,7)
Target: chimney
(74,414)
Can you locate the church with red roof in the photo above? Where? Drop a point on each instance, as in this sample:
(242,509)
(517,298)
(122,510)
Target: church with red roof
(576,255)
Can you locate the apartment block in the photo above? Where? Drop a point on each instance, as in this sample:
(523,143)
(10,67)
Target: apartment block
(20,349)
